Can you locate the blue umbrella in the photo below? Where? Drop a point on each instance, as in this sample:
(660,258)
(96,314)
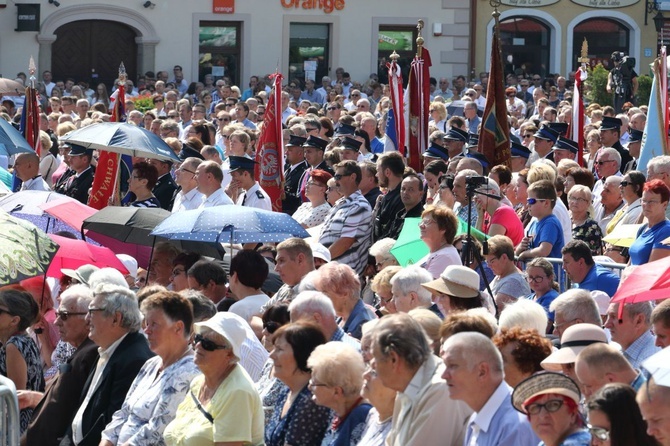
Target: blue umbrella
(126,139)
(11,140)
(230,224)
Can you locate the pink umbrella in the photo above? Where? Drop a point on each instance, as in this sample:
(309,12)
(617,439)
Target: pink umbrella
(646,283)
(74,253)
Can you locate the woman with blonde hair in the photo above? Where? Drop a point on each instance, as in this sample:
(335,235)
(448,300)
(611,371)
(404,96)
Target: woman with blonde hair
(381,285)
(438,115)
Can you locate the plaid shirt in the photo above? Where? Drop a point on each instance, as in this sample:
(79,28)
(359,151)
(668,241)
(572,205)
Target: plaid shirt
(641,349)
(350,217)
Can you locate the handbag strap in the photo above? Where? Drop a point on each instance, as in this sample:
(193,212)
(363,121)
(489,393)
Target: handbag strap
(207,415)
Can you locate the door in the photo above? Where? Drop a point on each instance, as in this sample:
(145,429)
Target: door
(92,50)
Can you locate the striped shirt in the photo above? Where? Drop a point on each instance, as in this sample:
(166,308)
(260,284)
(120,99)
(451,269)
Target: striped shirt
(350,217)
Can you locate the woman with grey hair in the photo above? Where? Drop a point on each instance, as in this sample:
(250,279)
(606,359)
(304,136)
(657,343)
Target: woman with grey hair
(381,251)
(337,379)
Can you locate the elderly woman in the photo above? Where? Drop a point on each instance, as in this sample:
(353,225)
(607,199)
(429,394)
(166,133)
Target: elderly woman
(522,351)
(19,356)
(238,144)
(551,401)
(540,276)
(296,418)
(313,212)
(509,283)
(222,407)
(584,228)
(163,382)
(457,289)
(381,285)
(615,418)
(141,183)
(332,192)
(648,246)
(337,379)
(382,398)
(340,283)
(438,228)
(381,251)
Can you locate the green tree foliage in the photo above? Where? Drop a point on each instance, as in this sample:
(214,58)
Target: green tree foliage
(596,86)
(643,90)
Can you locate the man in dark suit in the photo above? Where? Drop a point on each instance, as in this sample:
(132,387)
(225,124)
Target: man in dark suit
(294,168)
(165,188)
(314,149)
(80,181)
(54,409)
(114,321)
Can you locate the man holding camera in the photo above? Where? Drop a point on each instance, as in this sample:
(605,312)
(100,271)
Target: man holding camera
(622,80)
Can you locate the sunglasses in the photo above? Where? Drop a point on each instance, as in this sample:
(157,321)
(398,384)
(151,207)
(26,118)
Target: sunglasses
(332,108)
(532,201)
(600,163)
(624,183)
(550,406)
(271,326)
(207,344)
(530,135)
(64,315)
(598,432)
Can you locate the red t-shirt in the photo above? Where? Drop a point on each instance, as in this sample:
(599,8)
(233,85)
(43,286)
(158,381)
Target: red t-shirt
(506,216)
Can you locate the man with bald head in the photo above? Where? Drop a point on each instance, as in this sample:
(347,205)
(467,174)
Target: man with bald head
(474,375)
(188,197)
(26,167)
(654,402)
(208,178)
(600,364)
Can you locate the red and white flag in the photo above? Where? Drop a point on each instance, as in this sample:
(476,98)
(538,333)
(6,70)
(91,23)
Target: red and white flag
(397,106)
(419,103)
(578,113)
(270,153)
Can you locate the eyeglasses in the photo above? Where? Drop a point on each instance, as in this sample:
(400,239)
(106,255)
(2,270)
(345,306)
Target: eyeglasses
(313,384)
(311,129)
(338,176)
(225,136)
(562,324)
(511,95)
(426,222)
(223,119)
(381,299)
(158,100)
(575,199)
(536,279)
(624,183)
(181,169)
(355,95)
(2,310)
(177,271)
(532,201)
(207,344)
(92,310)
(598,432)
(470,94)
(537,78)
(64,315)
(550,406)
(600,163)
(529,135)
(271,326)
(314,183)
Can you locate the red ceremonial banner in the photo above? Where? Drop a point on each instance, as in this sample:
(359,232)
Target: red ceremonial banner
(270,153)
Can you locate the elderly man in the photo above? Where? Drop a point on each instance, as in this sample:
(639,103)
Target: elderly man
(316,307)
(632,331)
(474,375)
(411,195)
(408,293)
(347,228)
(160,270)
(188,197)
(574,307)
(470,113)
(600,364)
(611,201)
(114,320)
(583,272)
(660,320)
(27,169)
(423,413)
(208,177)
(55,408)
(654,400)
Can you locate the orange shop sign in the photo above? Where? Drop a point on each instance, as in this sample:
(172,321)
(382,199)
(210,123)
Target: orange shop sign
(223,6)
(327,6)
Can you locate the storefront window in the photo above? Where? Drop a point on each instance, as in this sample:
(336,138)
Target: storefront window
(402,40)
(219,45)
(525,46)
(309,51)
(604,36)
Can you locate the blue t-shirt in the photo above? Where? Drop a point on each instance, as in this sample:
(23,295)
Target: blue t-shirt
(601,279)
(545,300)
(548,230)
(647,240)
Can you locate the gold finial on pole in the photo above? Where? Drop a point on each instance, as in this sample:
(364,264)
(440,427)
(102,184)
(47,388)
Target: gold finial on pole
(585,53)
(419,39)
(122,74)
(394,56)
(32,69)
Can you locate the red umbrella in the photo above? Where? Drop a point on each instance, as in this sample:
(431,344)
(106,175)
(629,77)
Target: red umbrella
(647,282)
(74,253)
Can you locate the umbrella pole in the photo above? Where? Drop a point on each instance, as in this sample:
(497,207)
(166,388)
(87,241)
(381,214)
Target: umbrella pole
(151,256)
(231,250)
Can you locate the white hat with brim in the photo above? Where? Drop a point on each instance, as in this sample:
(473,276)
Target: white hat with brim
(544,383)
(82,274)
(575,339)
(455,280)
(229,325)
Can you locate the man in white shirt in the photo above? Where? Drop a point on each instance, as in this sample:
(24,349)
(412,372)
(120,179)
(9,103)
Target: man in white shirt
(26,167)
(242,173)
(248,271)
(188,197)
(208,178)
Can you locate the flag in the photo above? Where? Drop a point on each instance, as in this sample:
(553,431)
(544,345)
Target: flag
(419,101)
(664,89)
(396,116)
(106,182)
(578,113)
(390,135)
(30,120)
(494,133)
(654,138)
(270,153)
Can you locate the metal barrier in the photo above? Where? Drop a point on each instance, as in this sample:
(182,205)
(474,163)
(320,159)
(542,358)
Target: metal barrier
(562,279)
(9,421)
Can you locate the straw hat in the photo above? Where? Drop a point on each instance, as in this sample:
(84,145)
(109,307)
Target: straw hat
(544,383)
(455,280)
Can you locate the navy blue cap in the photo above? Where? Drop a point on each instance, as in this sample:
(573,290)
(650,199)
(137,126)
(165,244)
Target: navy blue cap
(351,144)
(560,127)
(566,144)
(296,141)
(345,129)
(457,134)
(519,150)
(80,150)
(436,151)
(610,123)
(187,151)
(547,133)
(635,135)
(241,162)
(473,140)
(478,156)
(316,142)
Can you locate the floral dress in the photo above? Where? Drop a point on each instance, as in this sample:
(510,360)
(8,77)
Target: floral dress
(304,424)
(35,381)
(590,233)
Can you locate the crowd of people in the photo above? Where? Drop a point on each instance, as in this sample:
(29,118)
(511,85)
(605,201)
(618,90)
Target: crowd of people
(330,340)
